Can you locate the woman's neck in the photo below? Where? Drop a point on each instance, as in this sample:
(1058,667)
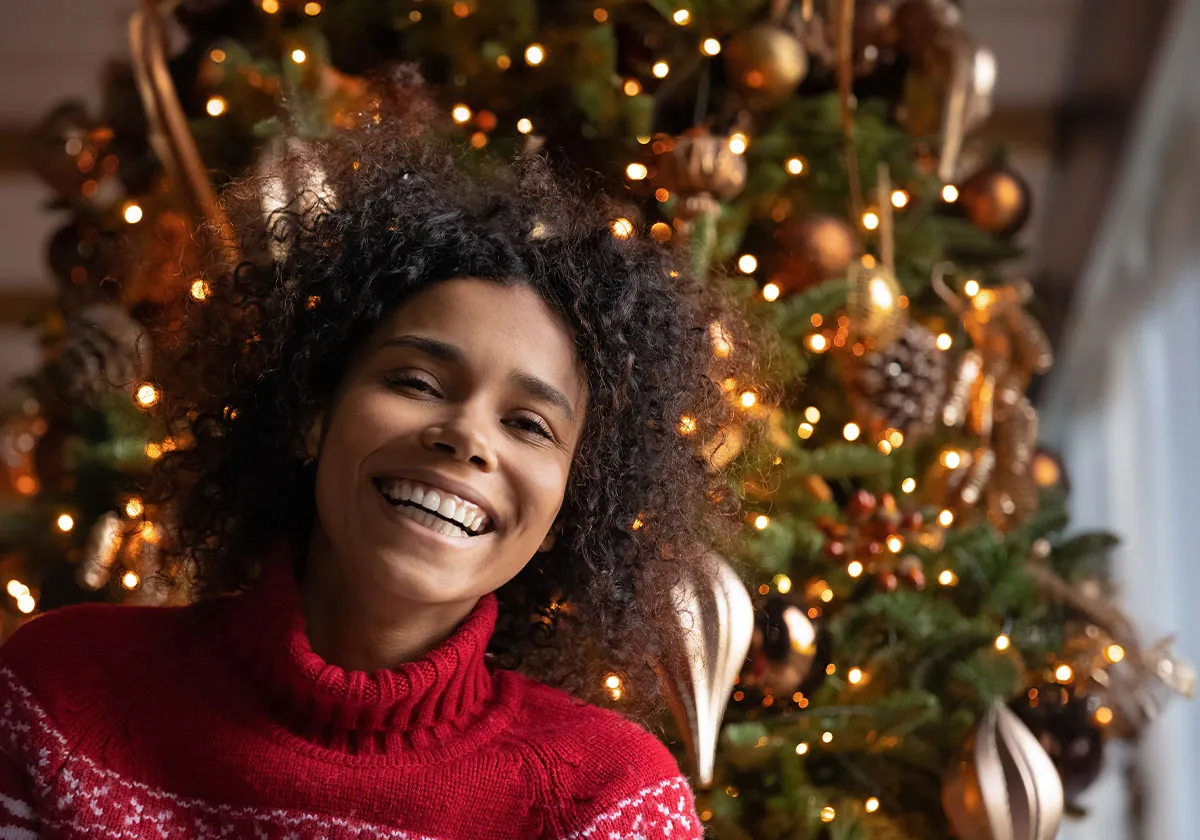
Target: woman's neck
(357,625)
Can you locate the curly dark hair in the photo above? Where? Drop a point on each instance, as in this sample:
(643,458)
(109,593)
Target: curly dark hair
(293,300)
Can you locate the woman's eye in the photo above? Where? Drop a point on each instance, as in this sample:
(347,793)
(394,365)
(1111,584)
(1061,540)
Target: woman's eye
(411,382)
(535,426)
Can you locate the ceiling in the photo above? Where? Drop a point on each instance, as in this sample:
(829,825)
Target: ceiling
(1070,72)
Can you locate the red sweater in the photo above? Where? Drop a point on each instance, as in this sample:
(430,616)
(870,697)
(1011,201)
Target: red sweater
(218,720)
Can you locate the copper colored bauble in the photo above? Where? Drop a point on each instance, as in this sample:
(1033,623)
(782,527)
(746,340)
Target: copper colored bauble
(66,149)
(700,167)
(788,652)
(81,255)
(766,63)
(1003,786)
(1066,728)
(818,248)
(996,200)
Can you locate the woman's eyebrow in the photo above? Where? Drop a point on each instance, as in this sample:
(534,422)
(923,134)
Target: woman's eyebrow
(527,382)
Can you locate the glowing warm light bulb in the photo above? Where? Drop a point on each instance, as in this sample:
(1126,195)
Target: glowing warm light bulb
(535,54)
(612,681)
(524,125)
(818,343)
(1063,673)
(908,485)
(783,583)
(851,431)
(795,166)
(134,507)
(312,8)
(17,589)
(802,748)
(854,569)
(826,737)
(1104,715)
(895,437)
(1114,653)
(826,595)
(26,604)
(855,676)
(805,431)
(146,395)
(270,6)
(1003,642)
(951,459)
(681,17)
(884,446)
(947,578)
(971,288)
(895,543)
(812,414)
(661,69)
(945,341)
(828,814)
(217,55)
(870,220)
(738,143)
(130,580)
(461,113)
(748,398)
(636,171)
(65,522)
(950,193)
(899,198)
(632,87)
(871,805)
(687,425)
(747,263)
(199,290)
(761,522)
(600,14)
(503,61)
(133,212)
(946,518)
(711,46)
(771,292)
(215,106)
(622,228)
(299,56)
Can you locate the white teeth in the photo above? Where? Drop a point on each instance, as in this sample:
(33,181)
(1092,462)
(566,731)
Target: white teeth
(424,517)
(445,504)
(447,508)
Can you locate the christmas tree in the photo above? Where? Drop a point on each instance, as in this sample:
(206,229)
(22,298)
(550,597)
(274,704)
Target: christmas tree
(909,645)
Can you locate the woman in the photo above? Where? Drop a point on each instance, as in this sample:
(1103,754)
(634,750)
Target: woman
(440,470)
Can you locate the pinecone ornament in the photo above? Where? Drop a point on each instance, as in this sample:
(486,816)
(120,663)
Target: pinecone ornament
(901,385)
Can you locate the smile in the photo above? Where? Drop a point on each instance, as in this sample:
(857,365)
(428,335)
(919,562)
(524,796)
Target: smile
(436,509)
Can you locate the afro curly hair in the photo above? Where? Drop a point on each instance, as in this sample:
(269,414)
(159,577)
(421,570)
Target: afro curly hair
(384,215)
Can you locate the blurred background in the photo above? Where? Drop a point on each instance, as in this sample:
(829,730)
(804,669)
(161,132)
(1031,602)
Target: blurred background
(1098,103)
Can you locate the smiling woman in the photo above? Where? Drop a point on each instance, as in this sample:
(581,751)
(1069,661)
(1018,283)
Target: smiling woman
(437,438)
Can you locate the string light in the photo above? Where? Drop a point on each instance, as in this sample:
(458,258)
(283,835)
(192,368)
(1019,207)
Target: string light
(947,578)
(818,343)
(1114,653)
(870,220)
(711,46)
(65,522)
(855,569)
(632,87)
(153,451)
(461,113)
(299,56)
(415,15)
(133,213)
(783,583)
(26,604)
(1003,642)
(535,54)
(199,290)
(895,437)
(949,193)
(146,395)
(895,543)
(687,425)
(661,194)
(612,681)
(681,17)
(802,748)
(1104,715)
(795,166)
(524,125)
(722,340)
(828,814)
(215,106)
(748,398)
(661,69)
(951,459)
(884,447)
(134,507)
(826,595)
(636,171)
(971,288)
(622,228)
(270,6)
(871,805)
(761,522)
(738,143)
(747,263)
(805,431)
(601,15)
(946,518)
(460,10)
(899,199)
(1063,673)
(217,56)
(855,676)
(130,580)
(944,341)
(503,61)
(826,737)
(908,485)
(638,524)
(771,292)
(851,431)
(812,414)
(312,9)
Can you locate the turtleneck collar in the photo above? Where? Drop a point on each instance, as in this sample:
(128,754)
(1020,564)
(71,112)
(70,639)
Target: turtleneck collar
(419,709)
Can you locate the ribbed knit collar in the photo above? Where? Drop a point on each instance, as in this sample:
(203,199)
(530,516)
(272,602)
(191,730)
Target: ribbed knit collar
(420,709)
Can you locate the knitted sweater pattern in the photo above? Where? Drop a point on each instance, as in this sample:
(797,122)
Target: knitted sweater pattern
(218,720)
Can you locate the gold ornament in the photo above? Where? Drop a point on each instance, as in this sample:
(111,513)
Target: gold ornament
(295,192)
(716,622)
(818,248)
(874,303)
(949,84)
(766,63)
(996,200)
(702,169)
(1004,785)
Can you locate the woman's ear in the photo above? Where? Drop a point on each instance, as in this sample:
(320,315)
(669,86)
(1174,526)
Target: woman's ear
(312,438)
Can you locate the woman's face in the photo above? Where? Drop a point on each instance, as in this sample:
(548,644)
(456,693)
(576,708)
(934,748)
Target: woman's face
(467,399)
